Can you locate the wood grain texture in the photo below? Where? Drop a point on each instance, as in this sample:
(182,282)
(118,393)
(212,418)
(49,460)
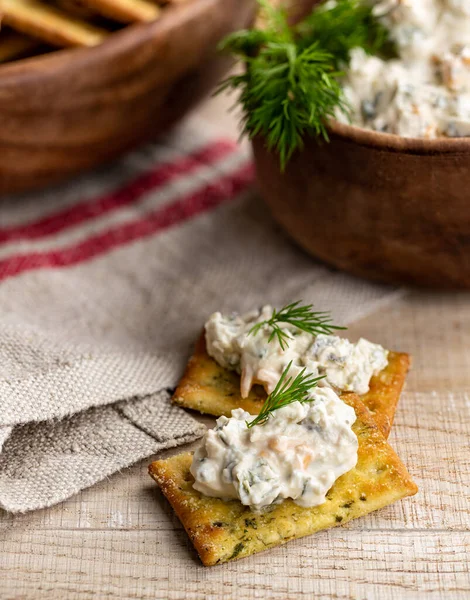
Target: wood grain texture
(71,110)
(338,564)
(120,539)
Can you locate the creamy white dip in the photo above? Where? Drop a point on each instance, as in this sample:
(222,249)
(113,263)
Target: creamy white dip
(298,453)
(425,92)
(346,366)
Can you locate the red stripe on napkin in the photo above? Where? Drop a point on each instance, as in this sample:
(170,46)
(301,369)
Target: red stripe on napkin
(210,196)
(152,180)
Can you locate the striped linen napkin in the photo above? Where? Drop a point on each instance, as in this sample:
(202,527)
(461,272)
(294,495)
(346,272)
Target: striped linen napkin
(105,282)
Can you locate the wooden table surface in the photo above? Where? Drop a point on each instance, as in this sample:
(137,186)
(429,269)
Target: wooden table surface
(120,539)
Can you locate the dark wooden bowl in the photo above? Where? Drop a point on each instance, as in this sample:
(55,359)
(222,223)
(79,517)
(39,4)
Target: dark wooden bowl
(74,109)
(377,205)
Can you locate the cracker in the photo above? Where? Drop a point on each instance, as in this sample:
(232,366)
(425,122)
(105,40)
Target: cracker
(209,388)
(225,530)
(50,24)
(385,389)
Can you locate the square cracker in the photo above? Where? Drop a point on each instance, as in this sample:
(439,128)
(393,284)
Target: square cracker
(209,388)
(224,530)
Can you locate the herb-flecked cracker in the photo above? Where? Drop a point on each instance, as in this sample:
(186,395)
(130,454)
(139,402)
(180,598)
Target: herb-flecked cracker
(212,389)
(224,530)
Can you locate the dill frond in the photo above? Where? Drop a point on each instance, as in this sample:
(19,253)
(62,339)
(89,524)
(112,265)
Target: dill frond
(291,85)
(302,317)
(286,392)
(340,28)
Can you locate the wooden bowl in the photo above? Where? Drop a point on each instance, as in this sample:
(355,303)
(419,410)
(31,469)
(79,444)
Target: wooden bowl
(377,205)
(71,110)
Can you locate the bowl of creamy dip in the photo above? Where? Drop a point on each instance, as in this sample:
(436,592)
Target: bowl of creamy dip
(388,196)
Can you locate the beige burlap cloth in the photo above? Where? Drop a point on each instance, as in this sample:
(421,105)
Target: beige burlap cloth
(105,283)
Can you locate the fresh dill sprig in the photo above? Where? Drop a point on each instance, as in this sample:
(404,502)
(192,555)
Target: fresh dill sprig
(290,88)
(286,392)
(302,317)
(287,93)
(247,42)
(341,27)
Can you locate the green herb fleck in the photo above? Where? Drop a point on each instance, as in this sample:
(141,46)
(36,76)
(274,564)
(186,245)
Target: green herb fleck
(251,523)
(219,524)
(238,548)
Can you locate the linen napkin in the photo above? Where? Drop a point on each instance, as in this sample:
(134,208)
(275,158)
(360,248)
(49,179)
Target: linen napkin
(105,283)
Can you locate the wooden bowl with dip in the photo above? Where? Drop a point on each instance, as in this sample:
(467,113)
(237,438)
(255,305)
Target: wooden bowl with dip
(72,109)
(380,206)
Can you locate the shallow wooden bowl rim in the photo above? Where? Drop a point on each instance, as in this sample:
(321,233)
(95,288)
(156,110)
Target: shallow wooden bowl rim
(388,142)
